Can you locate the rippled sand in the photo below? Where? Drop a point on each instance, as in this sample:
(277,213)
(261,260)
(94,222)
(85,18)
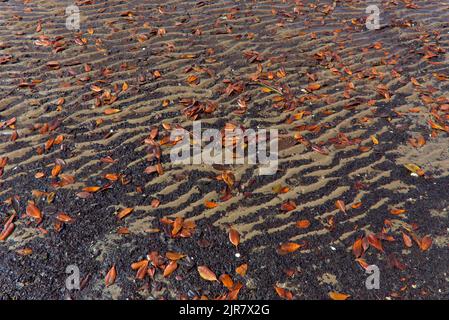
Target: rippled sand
(366,90)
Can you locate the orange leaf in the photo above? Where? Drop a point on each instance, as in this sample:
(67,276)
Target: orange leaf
(64,217)
(227,281)
(124,212)
(407,240)
(8,229)
(303,224)
(33,211)
(155,203)
(59,139)
(357,248)
(177,226)
(375,242)
(170,268)
(313,86)
(288,247)
(283,293)
(110,276)
(210,204)
(25,251)
(362,262)
(39,175)
(235,291)
(340,205)
(426,243)
(56,170)
(356,205)
(174,256)
(397,211)
(91,189)
(112,176)
(206,273)
(111,111)
(242,269)
(137,265)
(338,296)
(288,206)
(234,236)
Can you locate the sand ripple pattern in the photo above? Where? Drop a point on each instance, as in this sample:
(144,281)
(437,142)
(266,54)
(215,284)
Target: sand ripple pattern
(128,40)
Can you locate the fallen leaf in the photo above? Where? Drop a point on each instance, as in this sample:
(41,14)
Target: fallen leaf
(242,269)
(283,293)
(357,248)
(111,111)
(407,240)
(124,212)
(397,211)
(338,296)
(56,170)
(64,217)
(340,205)
(303,224)
(414,169)
(91,189)
(313,87)
(288,206)
(155,203)
(170,268)
(25,251)
(33,211)
(288,247)
(234,236)
(111,276)
(210,204)
(112,176)
(426,243)
(174,256)
(375,242)
(227,281)
(206,273)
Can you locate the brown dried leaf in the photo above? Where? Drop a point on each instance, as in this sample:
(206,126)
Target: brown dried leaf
(234,236)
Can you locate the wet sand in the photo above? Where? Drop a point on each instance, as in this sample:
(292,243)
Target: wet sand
(385,84)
